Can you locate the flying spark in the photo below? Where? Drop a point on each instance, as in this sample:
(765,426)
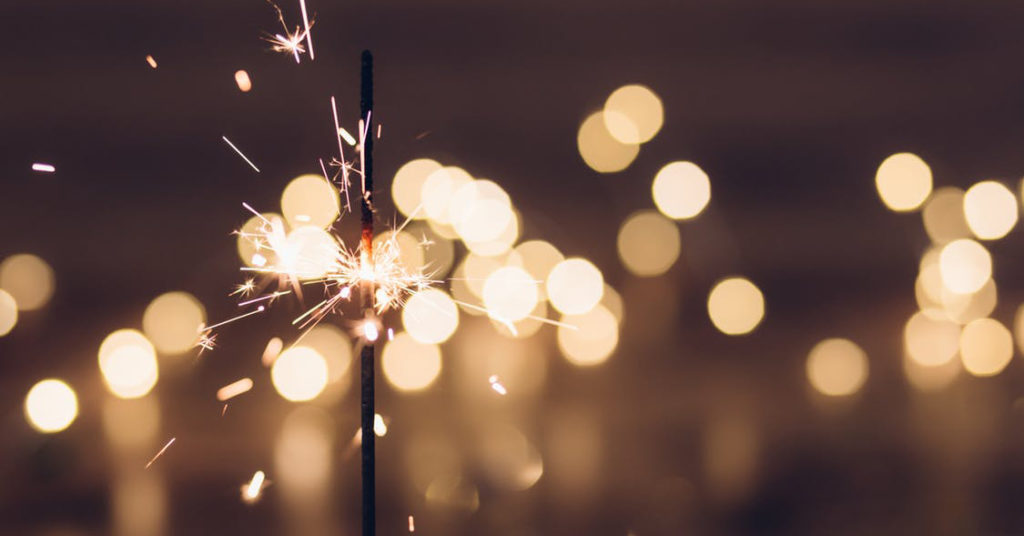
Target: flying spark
(44,168)
(161,453)
(237,150)
(496,385)
(151,61)
(234,389)
(251,492)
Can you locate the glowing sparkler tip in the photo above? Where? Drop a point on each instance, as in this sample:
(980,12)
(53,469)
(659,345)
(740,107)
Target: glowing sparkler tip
(251,492)
(370,331)
(380,428)
(496,385)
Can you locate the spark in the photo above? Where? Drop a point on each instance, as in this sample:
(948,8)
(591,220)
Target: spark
(251,492)
(309,37)
(380,428)
(151,61)
(271,352)
(245,289)
(272,296)
(291,42)
(161,453)
(240,153)
(412,524)
(348,137)
(258,310)
(423,134)
(207,341)
(44,168)
(370,331)
(391,334)
(224,410)
(234,389)
(496,385)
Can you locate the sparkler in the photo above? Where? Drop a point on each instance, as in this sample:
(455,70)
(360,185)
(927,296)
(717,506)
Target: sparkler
(367,354)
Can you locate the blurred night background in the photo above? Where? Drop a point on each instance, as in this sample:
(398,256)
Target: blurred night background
(829,345)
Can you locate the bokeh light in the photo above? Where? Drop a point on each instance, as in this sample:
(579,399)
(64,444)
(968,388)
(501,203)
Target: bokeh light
(903,181)
(965,266)
(648,243)
(986,347)
(633,114)
(172,322)
(538,257)
(501,244)
(681,190)
(8,312)
(599,149)
(299,374)
(990,209)
(245,241)
(438,191)
(943,215)
(510,294)
(29,279)
(963,308)
(589,339)
(837,367)
(736,306)
(310,200)
(308,252)
(508,459)
(930,342)
(51,406)
(430,316)
(410,365)
(575,286)
(333,345)
(407,186)
(480,211)
(128,363)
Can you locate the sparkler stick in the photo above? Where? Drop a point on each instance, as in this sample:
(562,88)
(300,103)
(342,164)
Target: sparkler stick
(366,355)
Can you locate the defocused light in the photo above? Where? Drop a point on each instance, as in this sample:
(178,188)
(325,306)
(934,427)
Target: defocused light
(641,109)
(930,342)
(438,190)
(407,186)
(310,200)
(128,363)
(380,428)
(273,349)
(681,190)
(303,453)
(538,258)
(594,338)
(509,460)
(430,316)
(837,367)
(453,492)
(736,306)
(526,327)
(172,322)
(28,279)
(965,266)
(903,181)
(8,312)
(575,286)
(943,215)
(931,378)
(131,424)
(438,252)
(476,271)
(510,294)
(963,308)
(243,81)
(1018,327)
(333,345)
(990,209)
(648,243)
(246,236)
(480,211)
(986,347)
(308,252)
(410,365)
(51,406)
(602,152)
(410,254)
(299,374)
(612,300)
(501,244)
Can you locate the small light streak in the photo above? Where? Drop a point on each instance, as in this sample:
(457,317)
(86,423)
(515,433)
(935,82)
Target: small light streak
(496,385)
(370,331)
(43,168)
(234,389)
(272,296)
(412,524)
(245,289)
(252,491)
(271,352)
(309,37)
(258,310)
(380,128)
(423,134)
(348,137)
(291,42)
(207,341)
(391,334)
(380,428)
(161,453)
(151,61)
(345,292)
(224,410)
(243,81)
(240,153)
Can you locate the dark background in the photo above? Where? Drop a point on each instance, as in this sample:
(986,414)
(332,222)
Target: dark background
(788,106)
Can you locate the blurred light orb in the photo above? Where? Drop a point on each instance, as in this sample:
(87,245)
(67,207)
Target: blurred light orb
(648,243)
(633,114)
(250,233)
(438,191)
(172,322)
(931,342)
(681,190)
(501,244)
(612,300)
(480,211)
(430,316)
(128,363)
(965,266)
(943,215)
(1018,327)
(299,374)
(990,209)
(510,294)
(575,286)
(538,258)
(51,406)
(509,460)
(28,279)
(333,345)
(736,306)
(308,252)
(600,150)
(410,365)
(310,200)
(592,337)
(407,186)
(963,308)
(903,181)
(837,367)
(931,378)
(986,347)
(8,312)
(410,254)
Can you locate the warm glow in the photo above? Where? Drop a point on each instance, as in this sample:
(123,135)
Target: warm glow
(965,266)
(986,347)
(963,308)
(633,114)
(508,459)
(299,374)
(648,243)
(538,258)
(410,365)
(480,211)
(499,245)
(602,152)
(310,200)
(510,294)
(990,209)
(51,406)
(8,312)
(837,367)
(28,279)
(407,186)
(243,81)
(430,316)
(736,306)
(943,215)
(903,181)
(128,363)
(681,190)
(594,338)
(333,345)
(575,286)
(930,342)
(308,252)
(172,322)
(247,234)
(438,190)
